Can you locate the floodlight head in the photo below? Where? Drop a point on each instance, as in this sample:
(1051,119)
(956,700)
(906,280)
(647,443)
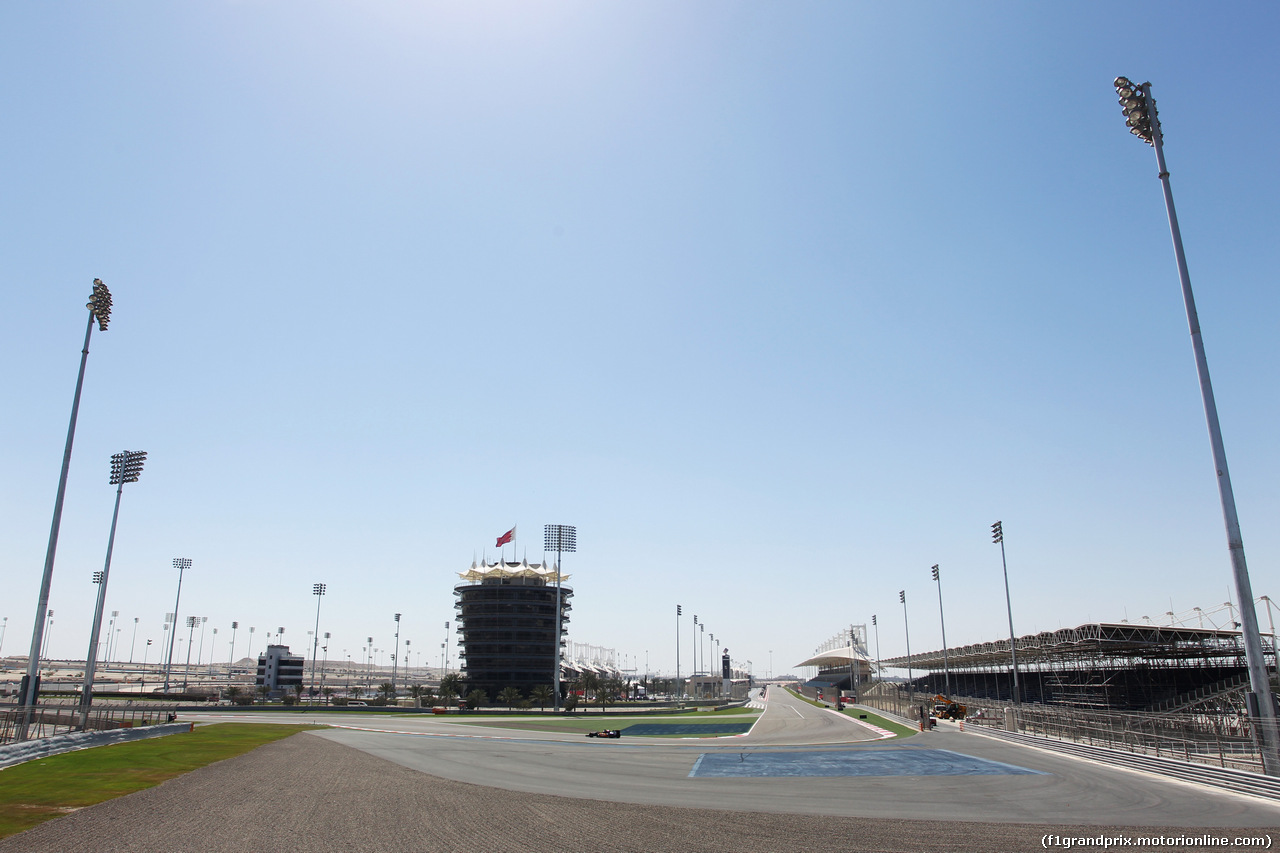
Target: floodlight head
(997,533)
(935,571)
(191,621)
(873,619)
(902,596)
(97,577)
(100,304)
(562,538)
(1139,109)
(126,467)
(235,625)
(181,563)
(397,617)
(317,589)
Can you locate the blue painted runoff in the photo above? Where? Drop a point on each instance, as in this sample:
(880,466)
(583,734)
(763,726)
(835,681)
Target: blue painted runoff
(878,762)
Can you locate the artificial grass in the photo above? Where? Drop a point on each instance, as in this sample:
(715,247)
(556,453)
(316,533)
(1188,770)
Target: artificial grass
(37,791)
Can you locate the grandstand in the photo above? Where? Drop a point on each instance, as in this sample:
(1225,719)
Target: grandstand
(1107,665)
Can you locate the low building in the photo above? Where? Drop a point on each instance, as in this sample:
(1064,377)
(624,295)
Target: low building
(278,670)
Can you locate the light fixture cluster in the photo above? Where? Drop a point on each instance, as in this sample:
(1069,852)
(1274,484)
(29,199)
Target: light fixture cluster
(318,589)
(126,467)
(997,533)
(181,563)
(561,537)
(1139,109)
(100,304)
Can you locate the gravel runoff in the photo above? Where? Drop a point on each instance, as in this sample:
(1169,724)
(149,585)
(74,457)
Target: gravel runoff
(306,794)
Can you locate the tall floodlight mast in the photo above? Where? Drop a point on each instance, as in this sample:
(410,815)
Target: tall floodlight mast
(563,539)
(1144,122)
(99,306)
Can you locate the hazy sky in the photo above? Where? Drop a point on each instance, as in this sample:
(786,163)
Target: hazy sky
(779,303)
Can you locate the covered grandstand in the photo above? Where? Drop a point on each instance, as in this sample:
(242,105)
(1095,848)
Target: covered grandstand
(842,662)
(1111,665)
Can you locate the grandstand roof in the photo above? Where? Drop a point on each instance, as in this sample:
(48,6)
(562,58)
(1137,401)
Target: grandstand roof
(1092,640)
(838,657)
(481,570)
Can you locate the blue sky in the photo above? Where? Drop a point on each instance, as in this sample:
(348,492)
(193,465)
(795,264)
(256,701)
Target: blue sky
(779,304)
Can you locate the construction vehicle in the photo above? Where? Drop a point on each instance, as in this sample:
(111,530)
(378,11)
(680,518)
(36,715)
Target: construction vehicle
(945,709)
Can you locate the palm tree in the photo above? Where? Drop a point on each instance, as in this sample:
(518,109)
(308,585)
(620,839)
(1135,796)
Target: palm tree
(509,697)
(264,691)
(233,693)
(607,690)
(388,691)
(477,698)
(542,695)
(328,694)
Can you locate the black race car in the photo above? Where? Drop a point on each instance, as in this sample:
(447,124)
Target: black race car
(614,733)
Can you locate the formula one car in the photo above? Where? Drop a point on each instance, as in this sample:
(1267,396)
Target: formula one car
(615,733)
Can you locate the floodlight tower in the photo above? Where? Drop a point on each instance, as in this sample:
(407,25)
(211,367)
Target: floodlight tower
(99,306)
(902,596)
(563,539)
(126,467)
(181,564)
(997,537)
(318,591)
(394,656)
(946,663)
(1144,123)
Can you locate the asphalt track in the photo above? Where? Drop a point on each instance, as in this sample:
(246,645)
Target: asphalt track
(434,786)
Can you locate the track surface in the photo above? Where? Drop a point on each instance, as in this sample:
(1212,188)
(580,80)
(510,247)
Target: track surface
(460,788)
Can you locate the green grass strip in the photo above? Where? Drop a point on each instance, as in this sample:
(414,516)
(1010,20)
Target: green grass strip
(37,791)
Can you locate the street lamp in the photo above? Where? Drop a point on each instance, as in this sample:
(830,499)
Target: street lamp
(181,564)
(318,591)
(563,539)
(946,663)
(902,596)
(99,306)
(1144,122)
(126,467)
(997,537)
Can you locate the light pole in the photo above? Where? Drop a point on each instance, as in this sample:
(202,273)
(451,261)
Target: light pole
(4,629)
(126,467)
(99,309)
(694,672)
(1144,122)
(679,610)
(368,667)
(191,630)
(444,663)
(997,536)
(318,591)
(876,624)
(946,663)
(213,645)
(111,631)
(394,656)
(902,596)
(231,656)
(563,539)
(134,640)
(181,564)
(200,657)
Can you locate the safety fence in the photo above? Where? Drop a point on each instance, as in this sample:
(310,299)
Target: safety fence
(1222,740)
(49,719)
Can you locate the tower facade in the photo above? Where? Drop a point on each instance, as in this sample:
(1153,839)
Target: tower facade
(506,616)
